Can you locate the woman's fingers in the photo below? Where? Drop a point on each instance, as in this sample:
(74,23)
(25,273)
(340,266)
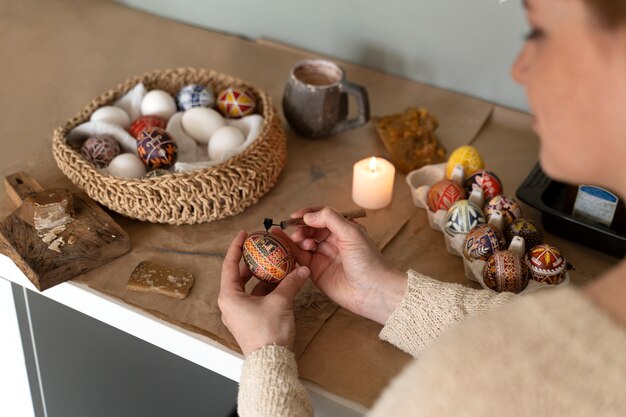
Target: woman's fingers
(231,278)
(301,256)
(292,283)
(298,214)
(330,219)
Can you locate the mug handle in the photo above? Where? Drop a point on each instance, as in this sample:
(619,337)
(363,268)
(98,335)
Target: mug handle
(363,105)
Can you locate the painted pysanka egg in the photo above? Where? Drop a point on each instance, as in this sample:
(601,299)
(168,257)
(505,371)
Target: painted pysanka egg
(546,264)
(505,272)
(468,157)
(236,102)
(482,242)
(194,95)
(485,180)
(504,205)
(462,216)
(157,148)
(443,194)
(100,150)
(527,230)
(267,256)
(145,122)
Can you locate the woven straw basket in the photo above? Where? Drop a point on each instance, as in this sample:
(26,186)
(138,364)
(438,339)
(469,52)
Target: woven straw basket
(182,198)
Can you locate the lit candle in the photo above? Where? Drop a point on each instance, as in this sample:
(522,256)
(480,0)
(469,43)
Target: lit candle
(372,183)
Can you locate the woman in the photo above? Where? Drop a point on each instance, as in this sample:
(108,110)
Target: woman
(559,352)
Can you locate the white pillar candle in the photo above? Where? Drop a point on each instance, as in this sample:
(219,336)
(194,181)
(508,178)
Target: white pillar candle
(372,183)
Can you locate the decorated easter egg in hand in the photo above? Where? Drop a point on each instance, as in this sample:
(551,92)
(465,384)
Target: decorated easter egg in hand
(145,122)
(466,156)
(482,242)
(236,102)
(158,103)
(100,150)
(462,216)
(127,165)
(156,148)
(443,194)
(546,264)
(483,180)
(111,114)
(267,256)
(506,206)
(505,272)
(194,95)
(527,230)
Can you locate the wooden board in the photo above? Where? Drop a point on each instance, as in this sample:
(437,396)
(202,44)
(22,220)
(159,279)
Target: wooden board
(97,239)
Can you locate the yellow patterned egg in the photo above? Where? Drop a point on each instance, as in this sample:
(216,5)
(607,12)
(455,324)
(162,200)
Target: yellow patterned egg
(468,157)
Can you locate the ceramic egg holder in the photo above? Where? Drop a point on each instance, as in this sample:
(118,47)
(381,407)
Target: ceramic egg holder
(191,155)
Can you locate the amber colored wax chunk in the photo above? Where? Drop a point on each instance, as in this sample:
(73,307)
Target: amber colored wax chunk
(410,139)
(47,209)
(152,277)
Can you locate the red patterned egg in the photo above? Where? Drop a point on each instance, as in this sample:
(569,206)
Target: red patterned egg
(526,229)
(462,217)
(100,150)
(157,148)
(546,264)
(482,242)
(236,102)
(267,256)
(505,272)
(145,122)
(443,194)
(507,206)
(485,180)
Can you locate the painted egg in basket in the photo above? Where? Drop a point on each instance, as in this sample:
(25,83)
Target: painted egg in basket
(443,194)
(236,102)
(462,216)
(267,256)
(145,122)
(194,95)
(157,148)
(482,242)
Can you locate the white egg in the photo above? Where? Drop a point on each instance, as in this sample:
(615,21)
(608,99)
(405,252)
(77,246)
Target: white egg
(111,114)
(223,140)
(158,103)
(200,123)
(127,165)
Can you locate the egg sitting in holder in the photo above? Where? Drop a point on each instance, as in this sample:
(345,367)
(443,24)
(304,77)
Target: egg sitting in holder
(505,271)
(480,243)
(546,264)
(462,217)
(267,256)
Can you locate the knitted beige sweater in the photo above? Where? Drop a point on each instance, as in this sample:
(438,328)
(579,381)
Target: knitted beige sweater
(551,353)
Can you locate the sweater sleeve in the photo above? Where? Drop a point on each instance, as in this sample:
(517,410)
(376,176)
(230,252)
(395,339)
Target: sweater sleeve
(430,307)
(270,386)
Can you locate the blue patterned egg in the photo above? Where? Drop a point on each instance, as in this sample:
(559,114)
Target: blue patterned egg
(194,95)
(462,217)
(482,242)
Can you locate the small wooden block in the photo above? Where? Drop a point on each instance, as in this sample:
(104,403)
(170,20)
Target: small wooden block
(152,277)
(47,209)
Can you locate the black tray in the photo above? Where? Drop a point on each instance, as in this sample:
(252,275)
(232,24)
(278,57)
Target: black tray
(549,197)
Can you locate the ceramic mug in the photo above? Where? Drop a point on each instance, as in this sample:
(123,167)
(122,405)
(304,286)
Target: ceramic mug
(315,100)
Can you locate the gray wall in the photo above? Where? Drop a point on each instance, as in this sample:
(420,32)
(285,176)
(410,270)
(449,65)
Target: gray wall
(462,45)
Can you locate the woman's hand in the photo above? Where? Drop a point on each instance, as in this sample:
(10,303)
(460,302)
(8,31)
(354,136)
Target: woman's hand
(346,265)
(263,317)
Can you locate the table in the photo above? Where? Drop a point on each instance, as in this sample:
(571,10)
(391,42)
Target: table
(78,63)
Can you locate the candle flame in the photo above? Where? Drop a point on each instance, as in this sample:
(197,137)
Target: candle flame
(373,164)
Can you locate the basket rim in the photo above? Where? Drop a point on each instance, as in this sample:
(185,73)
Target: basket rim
(61,133)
